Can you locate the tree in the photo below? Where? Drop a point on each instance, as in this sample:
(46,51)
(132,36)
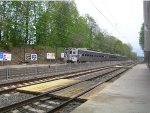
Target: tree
(55,24)
(141,38)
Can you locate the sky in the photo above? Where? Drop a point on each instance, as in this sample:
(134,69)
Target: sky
(123,18)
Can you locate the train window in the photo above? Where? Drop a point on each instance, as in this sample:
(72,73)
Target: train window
(70,52)
(74,52)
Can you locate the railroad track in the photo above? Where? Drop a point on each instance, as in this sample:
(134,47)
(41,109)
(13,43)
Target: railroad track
(50,102)
(10,73)
(11,86)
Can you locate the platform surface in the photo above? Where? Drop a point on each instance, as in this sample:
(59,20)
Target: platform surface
(129,94)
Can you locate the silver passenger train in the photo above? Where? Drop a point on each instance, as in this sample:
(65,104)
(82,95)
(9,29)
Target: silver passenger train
(86,55)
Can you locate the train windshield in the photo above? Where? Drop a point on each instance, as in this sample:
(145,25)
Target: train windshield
(74,52)
(70,52)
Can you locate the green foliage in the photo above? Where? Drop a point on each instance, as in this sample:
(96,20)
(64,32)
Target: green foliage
(141,39)
(6,45)
(54,24)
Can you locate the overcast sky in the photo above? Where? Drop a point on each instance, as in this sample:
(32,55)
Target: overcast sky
(125,15)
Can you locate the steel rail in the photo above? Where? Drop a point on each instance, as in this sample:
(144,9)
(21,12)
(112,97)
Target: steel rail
(39,78)
(83,92)
(57,75)
(27,101)
(53,78)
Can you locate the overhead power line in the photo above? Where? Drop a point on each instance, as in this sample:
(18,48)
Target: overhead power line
(106,18)
(109,12)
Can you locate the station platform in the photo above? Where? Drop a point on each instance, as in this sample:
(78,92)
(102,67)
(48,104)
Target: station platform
(129,94)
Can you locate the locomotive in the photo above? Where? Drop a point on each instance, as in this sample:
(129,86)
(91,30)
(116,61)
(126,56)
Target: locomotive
(87,55)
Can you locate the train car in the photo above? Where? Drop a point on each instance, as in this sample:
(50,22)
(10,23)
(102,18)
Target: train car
(86,55)
(147,31)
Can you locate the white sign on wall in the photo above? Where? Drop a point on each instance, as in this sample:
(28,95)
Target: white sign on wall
(27,56)
(50,55)
(62,55)
(6,56)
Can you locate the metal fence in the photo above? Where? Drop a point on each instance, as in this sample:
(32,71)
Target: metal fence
(10,72)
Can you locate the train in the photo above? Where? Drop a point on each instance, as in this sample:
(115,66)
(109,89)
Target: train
(87,55)
(146,7)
